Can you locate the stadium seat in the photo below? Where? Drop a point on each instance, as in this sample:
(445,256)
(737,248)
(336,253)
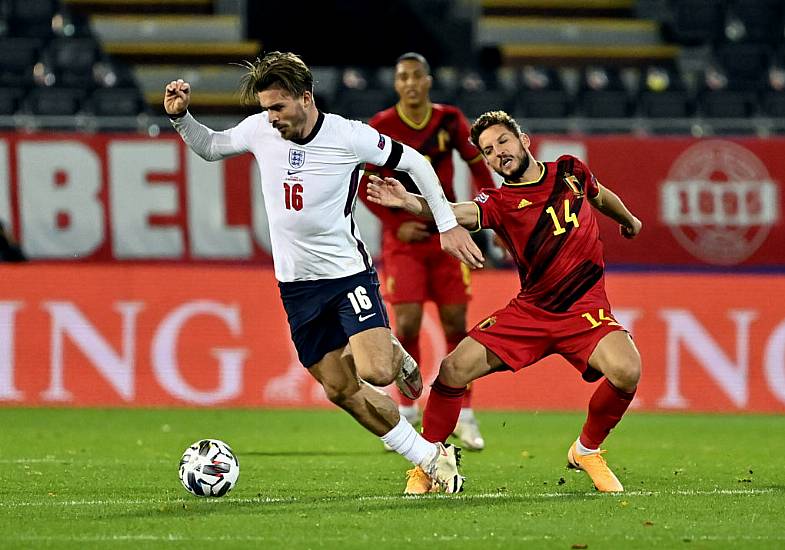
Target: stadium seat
(694,22)
(9,100)
(54,101)
(445,85)
(325,85)
(744,61)
(360,96)
(32,18)
(602,94)
(71,60)
(754,21)
(116,102)
(17,57)
(542,94)
(662,93)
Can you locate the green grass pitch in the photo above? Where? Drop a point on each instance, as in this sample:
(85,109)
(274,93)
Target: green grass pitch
(75,478)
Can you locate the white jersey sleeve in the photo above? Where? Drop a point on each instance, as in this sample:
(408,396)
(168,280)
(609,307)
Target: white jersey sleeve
(212,145)
(371,146)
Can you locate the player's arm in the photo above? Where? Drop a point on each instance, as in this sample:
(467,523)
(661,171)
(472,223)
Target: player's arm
(609,203)
(455,240)
(205,142)
(391,193)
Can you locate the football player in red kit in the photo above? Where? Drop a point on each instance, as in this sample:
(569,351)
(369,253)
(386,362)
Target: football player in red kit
(416,270)
(542,214)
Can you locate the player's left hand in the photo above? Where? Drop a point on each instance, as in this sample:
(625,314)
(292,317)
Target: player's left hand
(387,192)
(631,230)
(457,242)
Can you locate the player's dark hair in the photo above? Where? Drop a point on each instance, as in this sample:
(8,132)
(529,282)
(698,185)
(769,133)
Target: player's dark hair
(492,118)
(414,56)
(284,70)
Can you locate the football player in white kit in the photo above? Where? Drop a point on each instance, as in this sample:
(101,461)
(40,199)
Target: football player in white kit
(310,164)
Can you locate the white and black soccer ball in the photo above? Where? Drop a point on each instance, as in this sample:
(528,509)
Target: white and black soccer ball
(209,468)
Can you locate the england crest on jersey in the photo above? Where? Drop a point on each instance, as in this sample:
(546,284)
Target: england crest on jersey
(296,158)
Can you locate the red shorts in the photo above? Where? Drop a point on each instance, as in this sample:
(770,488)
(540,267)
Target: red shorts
(418,272)
(521,334)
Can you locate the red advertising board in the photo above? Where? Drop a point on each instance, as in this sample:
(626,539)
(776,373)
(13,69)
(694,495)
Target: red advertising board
(112,335)
(704,203)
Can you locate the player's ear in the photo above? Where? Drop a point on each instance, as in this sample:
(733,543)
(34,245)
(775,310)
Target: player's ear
(525,141)
(307,98)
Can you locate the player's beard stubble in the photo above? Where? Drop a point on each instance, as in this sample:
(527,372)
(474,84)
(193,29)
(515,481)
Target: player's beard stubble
(517,174)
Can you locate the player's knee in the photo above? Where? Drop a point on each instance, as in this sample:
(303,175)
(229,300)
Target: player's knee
(454,372)
(625,372)
(338,394)
(379,374)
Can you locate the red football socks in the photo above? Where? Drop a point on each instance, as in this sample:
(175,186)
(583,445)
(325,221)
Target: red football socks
(452,343)
(606,407)
(441,411)
(412,345)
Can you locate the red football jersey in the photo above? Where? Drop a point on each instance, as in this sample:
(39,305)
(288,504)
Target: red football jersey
(444,129)
(551,231)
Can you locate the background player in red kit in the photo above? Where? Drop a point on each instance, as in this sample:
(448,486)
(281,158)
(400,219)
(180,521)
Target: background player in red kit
(416,269)
(542,214)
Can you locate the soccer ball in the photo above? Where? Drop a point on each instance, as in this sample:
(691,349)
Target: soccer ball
(209,468)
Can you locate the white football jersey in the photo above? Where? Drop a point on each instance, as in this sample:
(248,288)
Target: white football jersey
(310,188)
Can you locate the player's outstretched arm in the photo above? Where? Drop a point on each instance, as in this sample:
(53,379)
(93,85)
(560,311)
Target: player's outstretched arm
(205,142)
(612,206)
(456,241)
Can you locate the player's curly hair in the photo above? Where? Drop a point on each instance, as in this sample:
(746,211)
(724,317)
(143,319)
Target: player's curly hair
(284,70)
(492,118)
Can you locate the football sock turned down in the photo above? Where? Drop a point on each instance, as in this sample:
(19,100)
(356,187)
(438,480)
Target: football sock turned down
(412,345)
(606,407)
(404,440)
(441,411)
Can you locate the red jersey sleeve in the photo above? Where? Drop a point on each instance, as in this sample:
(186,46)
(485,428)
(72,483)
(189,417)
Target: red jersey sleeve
(584,175)
(487,204)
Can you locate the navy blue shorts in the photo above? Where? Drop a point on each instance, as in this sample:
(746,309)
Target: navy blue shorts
(324,314)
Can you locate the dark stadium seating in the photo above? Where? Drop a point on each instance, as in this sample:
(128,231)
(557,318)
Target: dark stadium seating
(115,102)
(662,93)
(54,101)
(17,57)
(542,94)
(602,94)
(10,99)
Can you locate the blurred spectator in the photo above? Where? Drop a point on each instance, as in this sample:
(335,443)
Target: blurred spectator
(9,249)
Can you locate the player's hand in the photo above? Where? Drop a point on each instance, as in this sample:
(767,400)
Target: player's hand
(387,192)
(631,230)
(177,97)
(412,231)
(458,243)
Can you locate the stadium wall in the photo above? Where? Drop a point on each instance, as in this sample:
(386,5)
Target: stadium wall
(207,336)
(705,203)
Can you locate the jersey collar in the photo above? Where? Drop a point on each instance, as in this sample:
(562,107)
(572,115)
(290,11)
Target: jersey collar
(543,171)
(307,139)
(409,122)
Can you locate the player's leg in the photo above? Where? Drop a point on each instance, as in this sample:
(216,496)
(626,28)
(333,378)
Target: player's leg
(434,464)
(408,320)
(468,362)
(618,359)
(467,430)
